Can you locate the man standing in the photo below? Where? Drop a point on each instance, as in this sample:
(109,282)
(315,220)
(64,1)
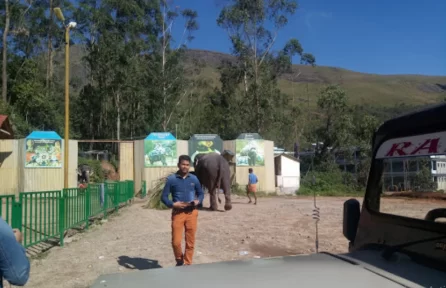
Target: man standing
(183,187)
(252,186)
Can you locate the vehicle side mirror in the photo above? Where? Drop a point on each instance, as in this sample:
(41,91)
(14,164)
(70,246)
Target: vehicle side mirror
(351,218)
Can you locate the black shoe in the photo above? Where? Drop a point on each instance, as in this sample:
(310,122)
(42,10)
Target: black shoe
(180,263)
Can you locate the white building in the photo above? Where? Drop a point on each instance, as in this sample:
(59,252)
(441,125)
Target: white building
(439,171)
(287,174)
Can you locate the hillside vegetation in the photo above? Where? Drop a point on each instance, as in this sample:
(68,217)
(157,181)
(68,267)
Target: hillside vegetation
(362,88)
(306,82)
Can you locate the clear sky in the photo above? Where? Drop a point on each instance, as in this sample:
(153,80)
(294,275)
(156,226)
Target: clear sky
(374,36)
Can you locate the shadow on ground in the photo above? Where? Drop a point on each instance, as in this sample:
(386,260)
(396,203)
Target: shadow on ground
(207,209)
(138,263)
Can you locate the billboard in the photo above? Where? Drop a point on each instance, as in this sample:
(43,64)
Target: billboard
(43,149)
(249,150)
(203,144)
(160,149)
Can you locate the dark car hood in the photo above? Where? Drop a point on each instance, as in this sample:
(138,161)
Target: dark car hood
(317,270)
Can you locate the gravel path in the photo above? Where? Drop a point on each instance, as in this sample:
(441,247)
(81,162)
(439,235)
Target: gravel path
(139,238)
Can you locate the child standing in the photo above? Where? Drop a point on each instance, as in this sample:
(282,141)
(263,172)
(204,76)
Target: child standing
(252,186)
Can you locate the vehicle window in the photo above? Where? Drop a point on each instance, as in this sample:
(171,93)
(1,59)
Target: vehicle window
(413,178)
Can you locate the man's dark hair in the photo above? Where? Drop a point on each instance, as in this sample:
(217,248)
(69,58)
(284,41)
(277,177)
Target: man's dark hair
(250,170)
(184,158)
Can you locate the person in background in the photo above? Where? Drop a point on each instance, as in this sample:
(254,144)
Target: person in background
(14,265)
(183,187)
(252,186)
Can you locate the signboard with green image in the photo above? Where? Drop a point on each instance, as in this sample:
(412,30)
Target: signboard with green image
(204,144)
(249,150)
(43,149)
(160,149)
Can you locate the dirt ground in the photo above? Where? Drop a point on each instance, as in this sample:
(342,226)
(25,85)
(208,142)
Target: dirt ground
(139,238)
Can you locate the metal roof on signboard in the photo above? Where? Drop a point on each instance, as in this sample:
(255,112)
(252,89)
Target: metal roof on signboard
(44,135)
(160,136)
(250,136)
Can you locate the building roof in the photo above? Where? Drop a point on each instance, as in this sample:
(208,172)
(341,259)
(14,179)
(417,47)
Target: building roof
(287,156)
(5,128)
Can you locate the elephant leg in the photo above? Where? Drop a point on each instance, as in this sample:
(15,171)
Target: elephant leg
(226,186)
(217,192)
(212,199)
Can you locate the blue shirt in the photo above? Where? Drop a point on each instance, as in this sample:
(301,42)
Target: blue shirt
(252,179)
(181,189)
(14,265)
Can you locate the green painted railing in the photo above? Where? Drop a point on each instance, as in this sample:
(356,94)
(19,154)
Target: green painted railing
(47,215)
(7,208)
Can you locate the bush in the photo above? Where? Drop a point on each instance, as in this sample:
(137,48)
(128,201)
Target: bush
(330,183)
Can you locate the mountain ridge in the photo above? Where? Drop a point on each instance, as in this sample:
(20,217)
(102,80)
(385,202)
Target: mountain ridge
(197,51)
(361,88)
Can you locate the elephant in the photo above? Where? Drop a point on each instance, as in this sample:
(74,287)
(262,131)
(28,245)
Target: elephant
(251,153)
(155,156)
(83,173)
(212,170)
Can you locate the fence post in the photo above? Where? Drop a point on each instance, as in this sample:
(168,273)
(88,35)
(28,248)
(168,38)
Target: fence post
(117,192)
(16,215)
(61,217)
(87,206)
(129,191)
(105,200)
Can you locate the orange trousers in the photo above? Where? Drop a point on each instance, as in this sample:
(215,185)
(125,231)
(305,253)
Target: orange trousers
(184,220)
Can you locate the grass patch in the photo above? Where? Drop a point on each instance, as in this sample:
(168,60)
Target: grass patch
(306,191)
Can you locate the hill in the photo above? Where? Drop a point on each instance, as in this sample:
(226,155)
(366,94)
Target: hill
(305,82)
(362,88)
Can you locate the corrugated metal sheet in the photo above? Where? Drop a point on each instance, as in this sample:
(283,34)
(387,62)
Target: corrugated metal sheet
(15,178)
(126,164)
(138,160)
(45,179)
(8,167)
(72,163)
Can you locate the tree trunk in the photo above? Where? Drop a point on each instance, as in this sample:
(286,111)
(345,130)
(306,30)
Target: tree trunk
(5,53)
(163,74)
(118,118)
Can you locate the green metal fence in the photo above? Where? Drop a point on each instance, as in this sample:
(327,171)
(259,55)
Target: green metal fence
(6,208)
(45,215)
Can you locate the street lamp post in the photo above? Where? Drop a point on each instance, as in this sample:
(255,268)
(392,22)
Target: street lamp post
(68,26)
